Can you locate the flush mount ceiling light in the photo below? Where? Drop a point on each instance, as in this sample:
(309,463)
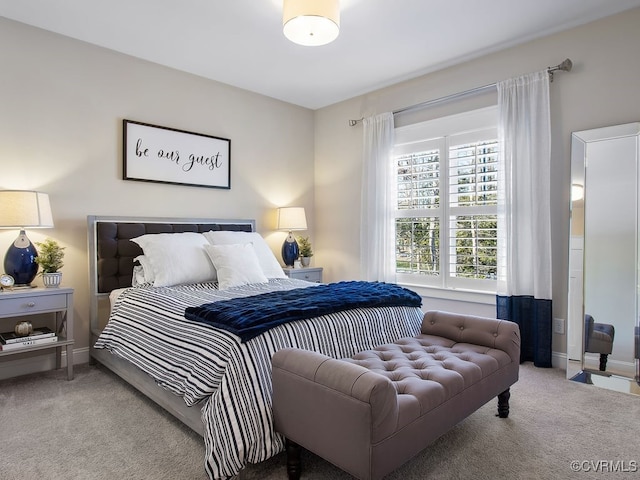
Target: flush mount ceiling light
(311,22)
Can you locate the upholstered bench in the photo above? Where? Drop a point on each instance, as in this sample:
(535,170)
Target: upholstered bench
(371,413)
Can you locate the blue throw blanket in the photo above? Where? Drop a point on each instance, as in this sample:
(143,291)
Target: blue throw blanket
(248,317)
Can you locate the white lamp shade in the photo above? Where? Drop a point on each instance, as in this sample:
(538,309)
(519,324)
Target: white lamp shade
(25,209)
(311,22)
(292,218)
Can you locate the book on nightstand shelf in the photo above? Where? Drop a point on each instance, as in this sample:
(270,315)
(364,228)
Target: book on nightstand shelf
(37,334)
(28,343)
(11,341)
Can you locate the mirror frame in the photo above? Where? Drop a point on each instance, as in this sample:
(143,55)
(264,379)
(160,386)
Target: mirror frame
(575,305)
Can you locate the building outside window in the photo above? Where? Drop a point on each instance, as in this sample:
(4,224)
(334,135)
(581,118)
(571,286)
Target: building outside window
(446,202)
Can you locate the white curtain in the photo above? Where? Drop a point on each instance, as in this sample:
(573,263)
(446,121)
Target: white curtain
(524,133)
(377,223)
(524,211)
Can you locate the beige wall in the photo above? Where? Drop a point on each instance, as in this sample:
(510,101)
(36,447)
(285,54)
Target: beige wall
(62,103)
(61,108)
(601,90)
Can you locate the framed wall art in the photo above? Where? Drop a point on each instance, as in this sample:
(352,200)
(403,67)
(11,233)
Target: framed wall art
(166,155)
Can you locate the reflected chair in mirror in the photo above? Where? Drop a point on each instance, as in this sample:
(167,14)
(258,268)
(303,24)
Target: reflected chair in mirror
(598,338)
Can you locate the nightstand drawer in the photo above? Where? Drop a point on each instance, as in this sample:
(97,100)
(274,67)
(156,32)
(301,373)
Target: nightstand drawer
(310,274)
(33,304)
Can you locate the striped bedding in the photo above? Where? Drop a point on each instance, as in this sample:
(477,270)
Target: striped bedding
(233,379)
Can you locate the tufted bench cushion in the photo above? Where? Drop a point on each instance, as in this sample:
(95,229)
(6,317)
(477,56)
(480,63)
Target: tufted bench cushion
(426,375)
(370,413)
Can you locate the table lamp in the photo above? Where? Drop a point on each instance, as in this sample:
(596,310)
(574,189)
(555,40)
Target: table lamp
(291,218)
(23,209)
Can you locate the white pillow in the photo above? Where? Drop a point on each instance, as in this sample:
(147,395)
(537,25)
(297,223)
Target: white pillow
(177,258)
(236,264)
(144,272)
(270,266)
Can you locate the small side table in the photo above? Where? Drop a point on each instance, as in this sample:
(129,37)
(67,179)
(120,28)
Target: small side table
(23,302)
(310,274)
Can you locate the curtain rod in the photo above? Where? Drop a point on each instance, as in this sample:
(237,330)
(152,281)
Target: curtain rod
(565,66)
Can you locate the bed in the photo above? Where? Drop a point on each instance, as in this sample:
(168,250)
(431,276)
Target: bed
(211,379)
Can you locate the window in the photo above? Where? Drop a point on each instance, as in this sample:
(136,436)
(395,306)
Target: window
(446,202)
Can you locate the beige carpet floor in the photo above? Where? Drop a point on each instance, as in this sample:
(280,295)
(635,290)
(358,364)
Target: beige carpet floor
(97,427)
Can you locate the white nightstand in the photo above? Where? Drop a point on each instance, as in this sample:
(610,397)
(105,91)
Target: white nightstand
(19,303)
(310,274)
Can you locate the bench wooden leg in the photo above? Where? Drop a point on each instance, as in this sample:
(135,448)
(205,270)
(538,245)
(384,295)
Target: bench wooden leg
(294,465)
(503,404)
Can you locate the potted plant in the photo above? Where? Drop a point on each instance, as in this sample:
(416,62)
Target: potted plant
(305,251)
(50,256)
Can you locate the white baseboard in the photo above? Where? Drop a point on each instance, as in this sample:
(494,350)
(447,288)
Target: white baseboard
(617,367)
(40,363)
(44,362)
(559,360)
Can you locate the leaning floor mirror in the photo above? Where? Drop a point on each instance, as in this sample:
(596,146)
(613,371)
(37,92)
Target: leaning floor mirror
(603,344)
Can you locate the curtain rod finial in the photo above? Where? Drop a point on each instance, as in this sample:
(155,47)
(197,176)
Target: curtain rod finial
(566,65)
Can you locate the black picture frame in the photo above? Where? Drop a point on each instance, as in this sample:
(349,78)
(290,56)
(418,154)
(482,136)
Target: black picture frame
(152,153)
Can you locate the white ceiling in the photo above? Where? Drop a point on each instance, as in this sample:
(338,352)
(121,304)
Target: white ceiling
(240,42)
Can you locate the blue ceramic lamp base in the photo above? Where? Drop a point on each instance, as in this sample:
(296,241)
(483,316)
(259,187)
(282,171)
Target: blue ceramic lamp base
(290,250)
(20,260)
